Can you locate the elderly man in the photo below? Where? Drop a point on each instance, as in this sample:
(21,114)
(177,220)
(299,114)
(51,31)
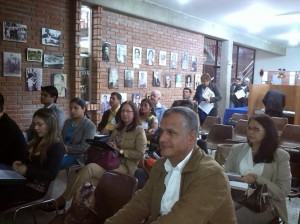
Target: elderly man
(186,185)
(159,108)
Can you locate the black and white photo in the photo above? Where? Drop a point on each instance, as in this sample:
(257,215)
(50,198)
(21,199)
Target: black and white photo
(188,81)
(173,60)
(104,102)
(156,79)
(142,79)
(59,81)
(14,32)
(184,61)
(137,55)
(12,64)
(178,80)
(106,51)
(167,80)
(121,53)
(150,56)
(51,37)
(53,61)
(34,78)
(129,78)
(113,79)
(194,64)
(197,80)
(163,58)
(34,54)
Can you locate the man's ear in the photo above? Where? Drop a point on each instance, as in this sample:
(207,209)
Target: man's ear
(192,136)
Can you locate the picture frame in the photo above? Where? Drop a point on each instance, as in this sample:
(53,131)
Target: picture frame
(53,61)
(34,79)
(142,79)
(14,32)
(137,99)
(178,80)
(167,80)
(185,61)
(106,48)
(188,81)
(34,54)
(194,63)
(113,78)
(51,37)
(59,81)
(150,56)
(12,64)
(197,80)
(104,102)
(137,55)
(173,60)
(128,78)
(162,58)
(156,79)
(121,53)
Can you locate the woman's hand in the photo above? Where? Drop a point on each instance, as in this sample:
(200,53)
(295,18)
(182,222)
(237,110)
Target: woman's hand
(104,131)
(19,167)
(249,178)
(114,145)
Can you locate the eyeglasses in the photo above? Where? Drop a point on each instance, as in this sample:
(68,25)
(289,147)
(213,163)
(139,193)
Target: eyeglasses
(254,129)
(126,111)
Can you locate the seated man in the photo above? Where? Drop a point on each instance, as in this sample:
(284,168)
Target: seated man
(274,102)
(186,185)
(108,122)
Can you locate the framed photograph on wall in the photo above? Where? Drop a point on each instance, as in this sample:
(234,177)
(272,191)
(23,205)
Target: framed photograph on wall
(188,81)
(197,80)
(156,79)
(104,102)
(142,79)
(106,51)
(150,56)
(184,61)
(136,99)
(121,53)
(113,78)
(137,55)
(12,64)
(34,54)
(51,37)
(178,80)
(173,61)
(34,78)
(167,80)
(53,61)
(59,81)
(194,64)
(129,78)
(162,58)
(14,32)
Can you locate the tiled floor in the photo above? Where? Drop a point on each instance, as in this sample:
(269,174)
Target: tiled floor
(60,184)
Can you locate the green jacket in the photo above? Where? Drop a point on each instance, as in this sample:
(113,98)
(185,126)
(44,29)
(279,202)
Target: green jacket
(205,196)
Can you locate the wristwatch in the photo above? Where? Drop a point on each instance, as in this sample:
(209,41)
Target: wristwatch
(121,151)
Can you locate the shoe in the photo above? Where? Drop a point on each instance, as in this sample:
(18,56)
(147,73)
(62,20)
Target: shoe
(50,207)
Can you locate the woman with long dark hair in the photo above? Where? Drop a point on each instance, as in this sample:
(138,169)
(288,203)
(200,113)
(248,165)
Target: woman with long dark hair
(45,153)
(260,160)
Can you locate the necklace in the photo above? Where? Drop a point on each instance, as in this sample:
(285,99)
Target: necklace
(74,124)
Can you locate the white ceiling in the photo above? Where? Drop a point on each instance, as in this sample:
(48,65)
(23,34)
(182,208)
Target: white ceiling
(277,19)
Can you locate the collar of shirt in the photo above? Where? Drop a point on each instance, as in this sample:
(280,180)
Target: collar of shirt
(114,111)
(50,105)
(158,105)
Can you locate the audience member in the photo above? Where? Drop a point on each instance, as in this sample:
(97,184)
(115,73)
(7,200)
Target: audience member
(46,151)
(234,87)
(108,122)
(187,93)
(148,119)
(186,185)
(13,145)
(128,139)
(159,108)
(49,97)
(274,102)
(206,83)
(260,160)
(76,130)
(245,87)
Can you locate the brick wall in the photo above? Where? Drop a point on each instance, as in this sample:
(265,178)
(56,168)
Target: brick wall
(108,26)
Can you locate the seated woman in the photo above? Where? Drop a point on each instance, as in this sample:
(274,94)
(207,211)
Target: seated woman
(128,139)
(76,130)
(260,160)
(45,153)
(148,119)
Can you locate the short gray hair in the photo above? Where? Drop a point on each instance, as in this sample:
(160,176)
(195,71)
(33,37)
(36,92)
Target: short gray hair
(191,119)
(157,92)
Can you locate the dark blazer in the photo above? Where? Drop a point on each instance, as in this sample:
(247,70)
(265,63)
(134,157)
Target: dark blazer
(274,102)
(198,97)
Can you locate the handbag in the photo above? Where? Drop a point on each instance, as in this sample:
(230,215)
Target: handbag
(255,197)
(107,159)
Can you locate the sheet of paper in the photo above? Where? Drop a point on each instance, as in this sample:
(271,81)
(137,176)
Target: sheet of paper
(240,93)
(238,185)
(207,93)
(206,107)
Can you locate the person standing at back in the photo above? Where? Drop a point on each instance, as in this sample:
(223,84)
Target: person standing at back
(49,97)
(206,83)
(274,102)
(13,145)
(159,108)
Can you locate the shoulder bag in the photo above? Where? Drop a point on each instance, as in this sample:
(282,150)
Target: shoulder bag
(255,197)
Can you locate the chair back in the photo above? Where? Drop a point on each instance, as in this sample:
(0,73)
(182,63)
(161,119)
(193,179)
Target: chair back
(235,117)
(240,130)
(280,123)
(290,136)
(113,191)
(208,123)
(217,135)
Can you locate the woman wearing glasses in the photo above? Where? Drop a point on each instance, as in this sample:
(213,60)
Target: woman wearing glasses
(128,139)
(260,160)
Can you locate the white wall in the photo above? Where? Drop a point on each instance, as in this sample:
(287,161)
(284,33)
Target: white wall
(271,62)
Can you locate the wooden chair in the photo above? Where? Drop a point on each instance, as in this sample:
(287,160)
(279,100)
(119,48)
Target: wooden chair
(222,153)
(280,123)
(290,137)
(33,205)
(235,117)
(208,123)
(240,131)
(217,135)
(113,191)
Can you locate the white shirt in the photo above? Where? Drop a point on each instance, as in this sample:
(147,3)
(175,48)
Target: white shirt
(172,183)
(246,165)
